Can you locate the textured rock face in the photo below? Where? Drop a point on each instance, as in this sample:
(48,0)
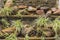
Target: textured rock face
(49,3)
(35,3)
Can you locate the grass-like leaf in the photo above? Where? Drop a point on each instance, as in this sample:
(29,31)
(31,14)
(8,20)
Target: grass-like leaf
(11,37)
(18,24)
(41,21)
(26,37)
(6,11)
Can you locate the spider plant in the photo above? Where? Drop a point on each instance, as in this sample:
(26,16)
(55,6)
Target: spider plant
(6,11)
(56,26)
(18,24)
(26,37)
(41,21)
(5,22)
(11,37)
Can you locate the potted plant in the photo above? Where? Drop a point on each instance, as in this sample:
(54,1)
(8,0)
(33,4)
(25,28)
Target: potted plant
(15,29)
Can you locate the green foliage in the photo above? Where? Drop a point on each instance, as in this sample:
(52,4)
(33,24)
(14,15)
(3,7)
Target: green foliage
(4,35)
(5,22)
(41,21)
(19,13)
(42,38)
(26,37)
(56,24)
(18,24)
(11,37)
(6,11)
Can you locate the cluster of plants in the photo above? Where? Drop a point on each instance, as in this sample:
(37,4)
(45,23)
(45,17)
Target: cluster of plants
(42,27)
(23,10)
(29,10)
(6,11)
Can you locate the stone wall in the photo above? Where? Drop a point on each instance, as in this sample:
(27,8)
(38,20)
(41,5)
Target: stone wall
(49,3)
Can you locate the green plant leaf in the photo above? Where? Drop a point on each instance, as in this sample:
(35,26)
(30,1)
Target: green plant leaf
(41,21)
(18,24)
(11,37)
(26,37)
(6,11)
(5,22)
